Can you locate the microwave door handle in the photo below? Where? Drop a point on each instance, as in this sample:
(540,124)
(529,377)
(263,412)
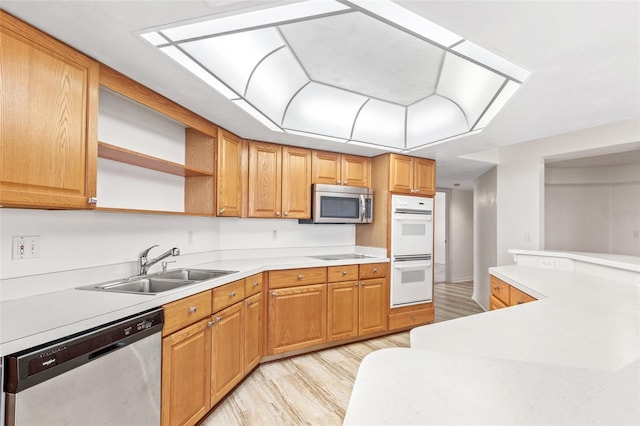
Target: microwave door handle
(363,208)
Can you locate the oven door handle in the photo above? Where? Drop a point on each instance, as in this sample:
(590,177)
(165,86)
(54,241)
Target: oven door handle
(415,217)
(410,265)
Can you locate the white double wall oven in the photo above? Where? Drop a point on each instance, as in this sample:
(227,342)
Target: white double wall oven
(411,250)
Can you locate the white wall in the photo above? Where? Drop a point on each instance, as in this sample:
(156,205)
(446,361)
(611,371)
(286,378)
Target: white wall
(439,233)
(584,215)
(484,234)
(520,181)
(461,233)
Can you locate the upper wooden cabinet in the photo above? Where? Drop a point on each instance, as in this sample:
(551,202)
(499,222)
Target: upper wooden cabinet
(412,175)
(231,174)
(340,169)
(48,132)
(279,181)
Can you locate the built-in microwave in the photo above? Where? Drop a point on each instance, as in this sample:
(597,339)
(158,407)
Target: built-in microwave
(340,204)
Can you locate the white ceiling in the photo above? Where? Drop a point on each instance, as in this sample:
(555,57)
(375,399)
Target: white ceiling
(584,57)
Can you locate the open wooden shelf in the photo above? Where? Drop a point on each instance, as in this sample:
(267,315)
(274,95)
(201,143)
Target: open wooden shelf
(122,155)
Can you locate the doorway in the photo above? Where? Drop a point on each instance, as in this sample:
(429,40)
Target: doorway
(441,268)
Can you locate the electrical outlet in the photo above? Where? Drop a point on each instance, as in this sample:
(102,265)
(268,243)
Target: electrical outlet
(274,235)
(25,247)
(189,238)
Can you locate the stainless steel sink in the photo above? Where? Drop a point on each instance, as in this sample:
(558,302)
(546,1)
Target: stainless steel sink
(193,274)
(145,285)
(158,283)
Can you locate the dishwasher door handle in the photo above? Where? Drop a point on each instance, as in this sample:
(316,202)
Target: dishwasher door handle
(107,349)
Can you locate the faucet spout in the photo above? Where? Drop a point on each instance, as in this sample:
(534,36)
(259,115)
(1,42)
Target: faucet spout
(146,263)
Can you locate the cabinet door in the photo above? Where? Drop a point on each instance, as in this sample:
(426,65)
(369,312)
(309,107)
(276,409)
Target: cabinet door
(227,355)
(48,120)
(296,183)
(253,331)
(424,176)
(186,359)
(356,170)
(230,175)
(265,178)
(372,306)
(297,317)
(342,310)
(326,167)
(401,173)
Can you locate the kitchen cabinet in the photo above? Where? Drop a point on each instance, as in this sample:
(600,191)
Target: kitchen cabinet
(297,309)
(504,295)
(227,353)
(340,169)
(143,169)
(357,306)
(411,175)
(186,360)
(48,119)
(231,174)
(254,314)
(279,181)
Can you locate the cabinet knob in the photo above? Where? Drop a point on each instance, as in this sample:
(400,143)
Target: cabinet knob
(362,284)
(277,213)
(92,200)
(374,270)
(338,182)
(344,273)
(232,294)
(218,319)
(249,302)
(256,284)
(416,191)
(345,182)
(273,294)
(413,317)
(496,288)
(519,302)
(286,213)
(355,284)
(221,211)
(210,324)
(299,276)
(192,309)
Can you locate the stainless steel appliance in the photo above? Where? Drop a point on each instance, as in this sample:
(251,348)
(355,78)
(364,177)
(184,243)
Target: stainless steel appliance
(411,250)
(109,376)
(340,204)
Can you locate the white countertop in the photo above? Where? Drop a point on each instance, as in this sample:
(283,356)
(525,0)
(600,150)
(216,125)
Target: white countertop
(34,320)
(571,357)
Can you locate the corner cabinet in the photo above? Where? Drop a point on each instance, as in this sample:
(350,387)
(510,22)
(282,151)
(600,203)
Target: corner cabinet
(49,102)
(279,181)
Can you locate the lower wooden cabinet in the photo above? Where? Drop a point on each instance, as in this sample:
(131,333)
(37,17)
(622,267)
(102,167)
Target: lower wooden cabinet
(186,359)
(504,295)
(297,317)
(411,316)
(227,350)
(342,310)
(373,299)
(253,323)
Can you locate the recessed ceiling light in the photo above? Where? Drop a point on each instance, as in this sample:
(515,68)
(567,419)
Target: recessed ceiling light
(368,72)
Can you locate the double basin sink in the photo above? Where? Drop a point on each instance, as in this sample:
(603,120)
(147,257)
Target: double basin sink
(160,282)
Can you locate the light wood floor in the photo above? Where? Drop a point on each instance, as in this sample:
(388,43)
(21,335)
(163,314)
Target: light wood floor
(314,389)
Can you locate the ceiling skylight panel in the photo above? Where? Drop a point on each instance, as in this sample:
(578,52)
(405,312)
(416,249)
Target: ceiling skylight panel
(380,122)
(233,57)
(274,82)
(258,18)
(323,110)
(432,119)
(503,97)
(469,85)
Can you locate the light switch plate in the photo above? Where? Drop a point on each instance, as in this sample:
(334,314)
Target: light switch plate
(25,247)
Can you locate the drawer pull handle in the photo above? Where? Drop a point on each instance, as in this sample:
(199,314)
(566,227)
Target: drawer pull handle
(192,309)
(256,284)
(232,294)
(299,276)
(375,270)
(344,273)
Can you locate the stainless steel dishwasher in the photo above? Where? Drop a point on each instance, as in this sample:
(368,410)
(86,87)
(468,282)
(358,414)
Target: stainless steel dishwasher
(109,375)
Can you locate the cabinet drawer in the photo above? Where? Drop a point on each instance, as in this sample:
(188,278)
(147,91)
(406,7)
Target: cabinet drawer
(373,270)
(495,303)
(227,295)
(517,297)
(500,289)
(297,277)
(184,312)
(252,285)
(342,273)
(410,318)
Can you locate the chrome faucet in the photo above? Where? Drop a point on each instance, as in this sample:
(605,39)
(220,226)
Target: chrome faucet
(145,263)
